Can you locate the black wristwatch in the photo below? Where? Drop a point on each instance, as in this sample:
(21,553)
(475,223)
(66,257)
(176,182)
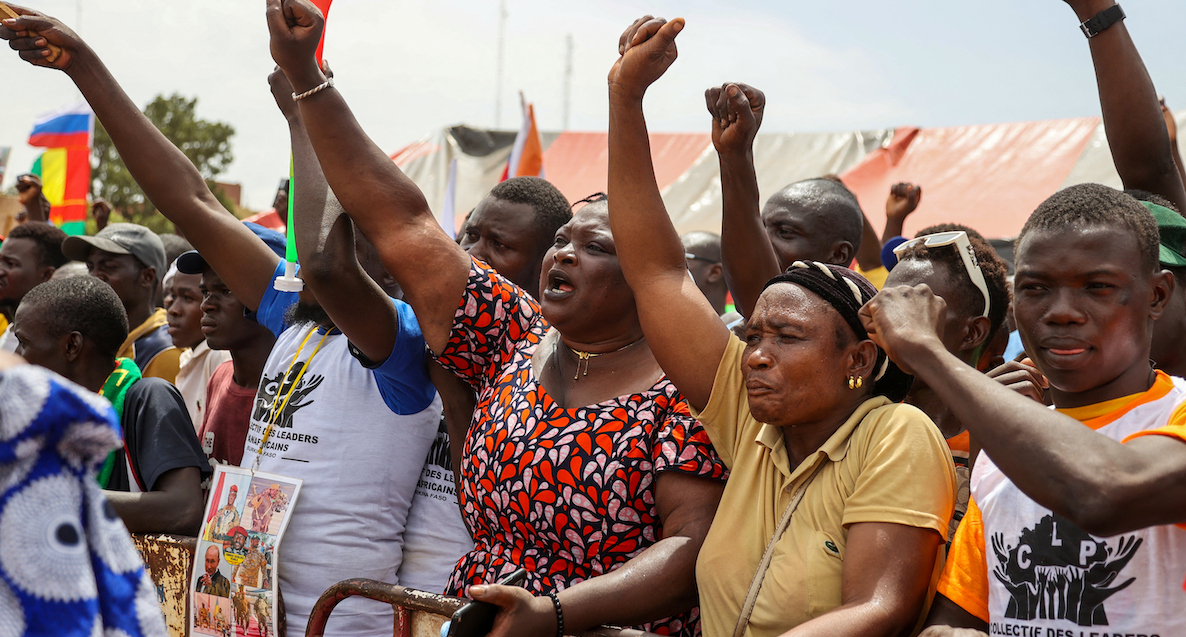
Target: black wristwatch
(1102,21)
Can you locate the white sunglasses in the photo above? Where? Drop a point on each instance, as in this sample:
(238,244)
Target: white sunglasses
(960,240)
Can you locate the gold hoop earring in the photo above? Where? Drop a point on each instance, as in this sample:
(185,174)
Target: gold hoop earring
(852,383)
(860,381)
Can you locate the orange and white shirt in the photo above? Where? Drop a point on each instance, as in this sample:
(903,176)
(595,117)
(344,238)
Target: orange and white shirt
(1028,571)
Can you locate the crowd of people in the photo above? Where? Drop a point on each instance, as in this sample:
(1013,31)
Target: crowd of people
(795,427)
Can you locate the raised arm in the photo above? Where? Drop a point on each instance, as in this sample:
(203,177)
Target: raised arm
(1101,485)
(684,332)
(325,243)
(165,174)
(903,199)
(1171,127)
(1131,110)
(746,253)
(388,208)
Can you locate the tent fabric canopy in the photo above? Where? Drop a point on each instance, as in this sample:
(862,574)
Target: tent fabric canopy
(989,177)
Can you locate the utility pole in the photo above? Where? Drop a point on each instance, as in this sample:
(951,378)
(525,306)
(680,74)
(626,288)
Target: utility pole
(567,78)
(502,37)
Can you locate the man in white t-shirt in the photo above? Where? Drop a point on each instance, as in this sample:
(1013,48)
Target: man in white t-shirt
(355,423)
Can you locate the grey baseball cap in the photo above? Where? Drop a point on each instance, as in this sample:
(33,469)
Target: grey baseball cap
(121,238)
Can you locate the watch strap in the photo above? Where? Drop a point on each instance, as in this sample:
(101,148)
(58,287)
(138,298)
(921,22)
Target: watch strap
(1102,21)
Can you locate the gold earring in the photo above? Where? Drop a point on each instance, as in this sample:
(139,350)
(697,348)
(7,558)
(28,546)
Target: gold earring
(860,381)
(852,383)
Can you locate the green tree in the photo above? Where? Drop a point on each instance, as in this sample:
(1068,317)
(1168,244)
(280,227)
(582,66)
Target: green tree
(206,144)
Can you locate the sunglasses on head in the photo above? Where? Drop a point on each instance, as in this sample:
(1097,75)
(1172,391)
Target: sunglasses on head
(959,239)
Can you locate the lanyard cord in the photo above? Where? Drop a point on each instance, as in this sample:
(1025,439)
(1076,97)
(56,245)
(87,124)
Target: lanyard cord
(276,412)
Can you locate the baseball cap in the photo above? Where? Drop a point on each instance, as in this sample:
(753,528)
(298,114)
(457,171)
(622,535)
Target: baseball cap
(1171,227)
(192,263)
(121,238)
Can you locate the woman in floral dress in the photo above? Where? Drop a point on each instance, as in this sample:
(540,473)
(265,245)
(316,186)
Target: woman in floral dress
(582,463)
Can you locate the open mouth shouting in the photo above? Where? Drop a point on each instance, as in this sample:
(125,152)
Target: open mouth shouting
(559,286)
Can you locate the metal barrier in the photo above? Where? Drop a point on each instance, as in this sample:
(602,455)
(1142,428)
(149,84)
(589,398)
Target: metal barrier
(170,563)
(417,614)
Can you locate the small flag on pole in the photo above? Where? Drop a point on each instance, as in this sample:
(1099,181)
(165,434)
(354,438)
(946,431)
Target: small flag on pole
(448,210)
(70,126)
(527,156)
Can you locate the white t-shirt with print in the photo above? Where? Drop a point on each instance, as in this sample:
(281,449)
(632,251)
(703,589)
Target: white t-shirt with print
(435,537)
(1046,574)
(360,460)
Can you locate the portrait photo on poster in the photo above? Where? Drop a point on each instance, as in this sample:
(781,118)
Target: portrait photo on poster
(234,582)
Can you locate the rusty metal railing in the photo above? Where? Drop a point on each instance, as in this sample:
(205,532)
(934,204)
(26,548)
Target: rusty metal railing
(417,614)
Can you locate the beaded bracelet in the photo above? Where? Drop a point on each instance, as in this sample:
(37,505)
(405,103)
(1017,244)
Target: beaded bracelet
(559,614)
(316,89)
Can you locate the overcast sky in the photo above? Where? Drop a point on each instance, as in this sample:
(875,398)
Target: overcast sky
(408,67)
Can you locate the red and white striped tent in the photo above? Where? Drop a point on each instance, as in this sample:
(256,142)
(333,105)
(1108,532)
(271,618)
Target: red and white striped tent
(990,177)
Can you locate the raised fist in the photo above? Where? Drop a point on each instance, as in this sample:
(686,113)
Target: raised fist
(647,49)
(903,200)
(737,111)
(295,27)
(34,35)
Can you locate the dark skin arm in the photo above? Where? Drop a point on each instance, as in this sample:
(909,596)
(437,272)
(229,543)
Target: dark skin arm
(1131,110)
(648,246)
(388,208)
(325,243)
(165,174)
(746,253)
(902,201)
(173,506)
(947,619)
(886,573)
(869,254)
(1101,485)
(656,583)
(1171,127)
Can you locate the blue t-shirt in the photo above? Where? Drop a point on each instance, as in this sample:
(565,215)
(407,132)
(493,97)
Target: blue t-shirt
(402,377)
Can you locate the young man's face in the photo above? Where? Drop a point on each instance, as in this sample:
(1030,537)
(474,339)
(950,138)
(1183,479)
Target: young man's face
(122,272)
(35,343)
(223,322)
(1085,308)
(20,269)
(183,307)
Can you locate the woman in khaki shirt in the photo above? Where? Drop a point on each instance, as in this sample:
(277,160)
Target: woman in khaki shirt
(807,399)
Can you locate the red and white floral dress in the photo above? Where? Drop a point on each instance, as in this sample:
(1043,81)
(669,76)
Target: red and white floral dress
(567,494)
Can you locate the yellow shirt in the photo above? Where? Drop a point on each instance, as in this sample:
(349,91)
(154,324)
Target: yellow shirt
(164,365)
(876,276)
(887,463)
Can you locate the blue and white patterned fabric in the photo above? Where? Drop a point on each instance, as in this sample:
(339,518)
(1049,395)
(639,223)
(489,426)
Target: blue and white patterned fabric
(67,564)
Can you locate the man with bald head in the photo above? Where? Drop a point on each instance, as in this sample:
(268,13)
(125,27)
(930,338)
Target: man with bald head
(811,220)
(703,252)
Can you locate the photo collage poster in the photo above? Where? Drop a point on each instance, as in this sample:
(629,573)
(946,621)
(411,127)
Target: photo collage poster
(234,582)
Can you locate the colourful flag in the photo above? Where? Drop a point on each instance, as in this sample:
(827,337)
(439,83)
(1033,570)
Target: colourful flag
(65,179)
(448,212)
(65,128)
(527,156)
